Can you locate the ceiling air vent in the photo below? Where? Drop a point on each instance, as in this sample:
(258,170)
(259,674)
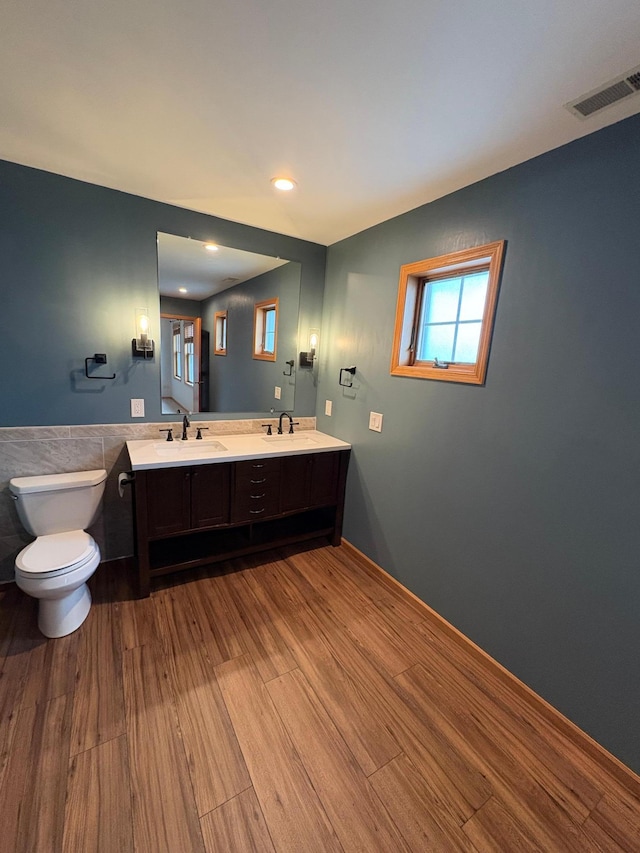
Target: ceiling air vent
(604,96)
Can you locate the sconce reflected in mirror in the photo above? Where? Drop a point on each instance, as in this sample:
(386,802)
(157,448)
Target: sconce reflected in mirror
(142,345)
(307,358)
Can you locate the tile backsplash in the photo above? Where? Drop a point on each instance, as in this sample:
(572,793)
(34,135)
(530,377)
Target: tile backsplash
(26,451)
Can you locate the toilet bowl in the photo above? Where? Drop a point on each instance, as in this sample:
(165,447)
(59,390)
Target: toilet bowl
(55,567)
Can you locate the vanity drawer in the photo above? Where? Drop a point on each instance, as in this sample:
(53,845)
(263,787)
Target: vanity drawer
(257,476)
(257,490)
(256,505)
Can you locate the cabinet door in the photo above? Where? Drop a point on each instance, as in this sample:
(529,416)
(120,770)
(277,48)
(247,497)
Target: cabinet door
(296,476)
(210,495)
(323,483)
(168,501)
(309,480)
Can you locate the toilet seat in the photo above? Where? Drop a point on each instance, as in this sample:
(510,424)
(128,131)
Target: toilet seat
(56,554)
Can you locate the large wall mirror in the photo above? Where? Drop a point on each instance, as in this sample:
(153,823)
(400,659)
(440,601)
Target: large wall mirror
(228,328)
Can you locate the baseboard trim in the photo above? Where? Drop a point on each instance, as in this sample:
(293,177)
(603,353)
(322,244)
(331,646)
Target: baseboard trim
(623,774)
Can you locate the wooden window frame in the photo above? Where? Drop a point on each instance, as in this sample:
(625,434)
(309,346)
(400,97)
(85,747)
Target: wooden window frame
(221,328)
(260,310)
(413,278)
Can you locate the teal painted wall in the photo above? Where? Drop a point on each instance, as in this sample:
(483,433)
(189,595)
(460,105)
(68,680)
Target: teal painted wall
(238,381)
(180,307)
(512,509)
(76,262)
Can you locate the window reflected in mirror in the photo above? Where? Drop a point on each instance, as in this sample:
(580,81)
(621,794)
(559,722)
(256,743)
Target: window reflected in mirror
(177,350)
(265,329)
(220,337)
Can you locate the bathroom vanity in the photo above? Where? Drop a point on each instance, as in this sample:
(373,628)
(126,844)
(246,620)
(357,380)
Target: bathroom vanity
(199,502)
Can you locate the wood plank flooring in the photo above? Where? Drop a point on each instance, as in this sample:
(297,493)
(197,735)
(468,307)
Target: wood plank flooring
(293,701)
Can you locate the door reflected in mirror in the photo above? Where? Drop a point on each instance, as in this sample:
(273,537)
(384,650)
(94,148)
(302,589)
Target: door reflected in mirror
(208,359)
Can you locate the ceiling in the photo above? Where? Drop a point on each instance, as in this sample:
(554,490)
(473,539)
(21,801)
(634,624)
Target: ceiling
(373,107)
(187,270)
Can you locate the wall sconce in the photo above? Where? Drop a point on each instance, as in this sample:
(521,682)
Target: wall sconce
(307,358)
(142,345)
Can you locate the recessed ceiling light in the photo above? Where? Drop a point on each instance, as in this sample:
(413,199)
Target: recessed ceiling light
(182,289)
(284,184)
(211,247)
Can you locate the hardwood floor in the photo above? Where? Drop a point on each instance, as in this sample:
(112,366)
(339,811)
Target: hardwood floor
(293,701)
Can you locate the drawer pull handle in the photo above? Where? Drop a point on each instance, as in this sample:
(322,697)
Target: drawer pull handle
(257,466)
(256,511)
(257,482)
(257,497)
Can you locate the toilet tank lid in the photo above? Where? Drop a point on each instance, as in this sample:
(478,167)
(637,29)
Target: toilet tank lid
(51,482)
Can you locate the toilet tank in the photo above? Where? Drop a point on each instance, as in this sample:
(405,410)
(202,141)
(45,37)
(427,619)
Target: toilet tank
(55,503)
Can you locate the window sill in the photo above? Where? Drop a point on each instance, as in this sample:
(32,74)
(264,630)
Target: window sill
(470,374)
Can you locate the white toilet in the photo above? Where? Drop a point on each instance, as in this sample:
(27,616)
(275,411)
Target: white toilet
(56,567)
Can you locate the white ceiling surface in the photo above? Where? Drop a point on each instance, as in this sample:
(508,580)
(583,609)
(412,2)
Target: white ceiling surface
(374,107)
(186,263)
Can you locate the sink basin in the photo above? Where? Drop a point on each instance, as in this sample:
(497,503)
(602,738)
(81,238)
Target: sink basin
(296,440)
(188,448)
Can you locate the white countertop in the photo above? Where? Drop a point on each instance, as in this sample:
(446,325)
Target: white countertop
(159,453)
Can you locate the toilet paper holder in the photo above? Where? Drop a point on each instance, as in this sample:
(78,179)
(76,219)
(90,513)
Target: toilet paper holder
(125,478)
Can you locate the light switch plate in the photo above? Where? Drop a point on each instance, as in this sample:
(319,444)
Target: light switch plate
(137,408)
(277,392)
(328,406)
(375,421)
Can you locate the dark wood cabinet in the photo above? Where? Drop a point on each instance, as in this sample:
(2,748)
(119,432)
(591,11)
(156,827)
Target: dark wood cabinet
(311,481)
(256,490)
(168,501)
(194,515)
(186,498)
(210,495)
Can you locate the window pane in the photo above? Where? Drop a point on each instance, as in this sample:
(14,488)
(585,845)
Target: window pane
(189,362)
(270,330)
(467,342)
(441,300)
(437,342)
(177,355)
(474,293)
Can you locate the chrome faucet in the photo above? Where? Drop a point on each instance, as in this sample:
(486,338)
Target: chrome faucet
(185,424)
(282,415)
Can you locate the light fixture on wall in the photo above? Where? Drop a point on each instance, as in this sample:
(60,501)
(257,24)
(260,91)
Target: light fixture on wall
(142,345)
(307,358)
